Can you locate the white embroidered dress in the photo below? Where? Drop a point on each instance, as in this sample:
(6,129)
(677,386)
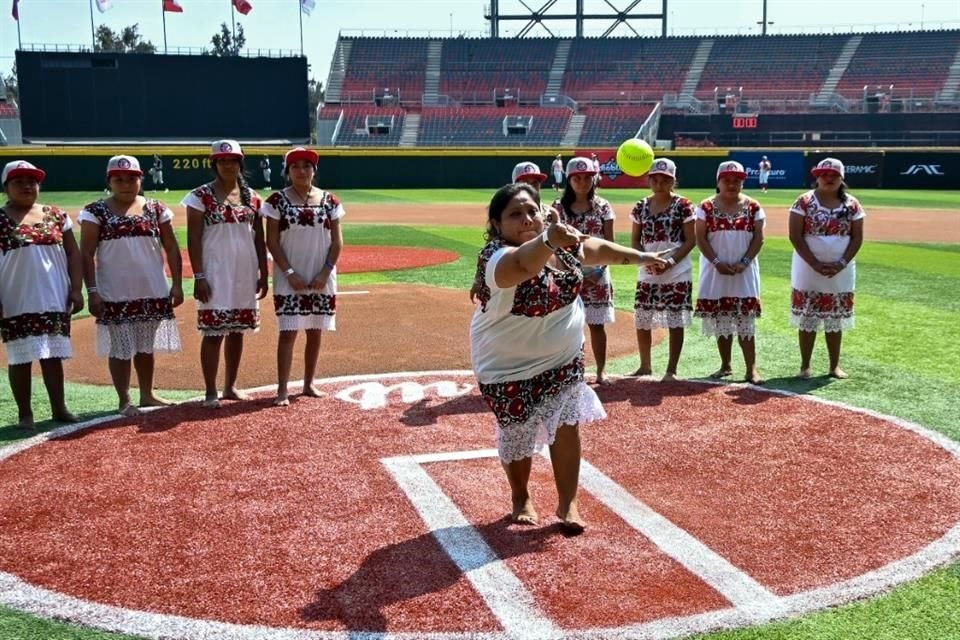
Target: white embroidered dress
(137,312)
(229,263)
(305,235)
(819,303)
(35,288)
(597,292)
(729,305)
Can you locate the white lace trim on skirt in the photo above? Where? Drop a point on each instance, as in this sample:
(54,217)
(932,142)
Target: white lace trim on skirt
(32,348)
(298,323)
(123,341)
(599,315)
(661,319)
(578,404)
(828,325)
(724,326)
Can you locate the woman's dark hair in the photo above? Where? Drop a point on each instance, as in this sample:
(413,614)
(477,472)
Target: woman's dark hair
(246,194)
(499,202)
(569,195)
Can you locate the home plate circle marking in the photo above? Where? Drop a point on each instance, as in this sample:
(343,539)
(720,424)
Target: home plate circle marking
(379,510)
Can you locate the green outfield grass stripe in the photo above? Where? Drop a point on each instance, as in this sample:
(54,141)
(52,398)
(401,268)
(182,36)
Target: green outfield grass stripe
(932,261)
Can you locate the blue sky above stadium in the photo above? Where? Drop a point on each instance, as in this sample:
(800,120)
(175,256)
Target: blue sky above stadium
(274,24)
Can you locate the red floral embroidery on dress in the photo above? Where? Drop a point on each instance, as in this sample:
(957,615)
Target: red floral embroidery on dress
(589,222)
(541,295)
(820,221)
(717,307)
(816,304)
(46,232)
(114,227)
(670,296)
(306,304)
(514,402)
(303,215)
(665,226)
(216,212)
(227,319)
(51,323)
(743,220)
(140,310)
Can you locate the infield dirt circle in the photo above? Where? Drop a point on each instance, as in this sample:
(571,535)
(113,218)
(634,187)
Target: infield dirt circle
(381,508)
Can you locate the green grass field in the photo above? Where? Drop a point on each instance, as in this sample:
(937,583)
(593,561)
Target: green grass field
(903,358)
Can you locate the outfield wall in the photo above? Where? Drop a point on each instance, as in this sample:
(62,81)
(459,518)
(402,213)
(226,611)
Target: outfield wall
(82,168)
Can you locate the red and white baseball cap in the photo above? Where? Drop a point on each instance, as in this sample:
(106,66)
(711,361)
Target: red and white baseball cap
(21,168)
(123,164)
(664,167)
(576,166)
(731,168)
(828,165)
(301,153)
(225,149)
(528,170)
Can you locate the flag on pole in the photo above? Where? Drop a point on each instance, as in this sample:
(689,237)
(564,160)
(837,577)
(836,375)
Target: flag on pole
(307,6)
(243,6)
(172,6)
(16,10)
(104,5)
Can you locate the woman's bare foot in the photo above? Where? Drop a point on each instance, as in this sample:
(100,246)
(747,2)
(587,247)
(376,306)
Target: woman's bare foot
(211,402)
(669,377)
(26,422)
(235,394)
(602,380)
(642,372)
(65,416)
(805,374)
(754,377)
(722,372)
(128,410)
(155,401)
(312,392)
(838,373)
(282,400)
(523,512)
(570,520)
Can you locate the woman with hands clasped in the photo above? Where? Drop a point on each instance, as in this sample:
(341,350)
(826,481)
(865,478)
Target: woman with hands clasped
(123,239)
(826,230)
(730,235)
(527,342)
(40,281)
(663,220)
(305,239)
(229,261)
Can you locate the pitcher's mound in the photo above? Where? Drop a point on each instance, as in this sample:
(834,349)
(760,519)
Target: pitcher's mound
(386,328)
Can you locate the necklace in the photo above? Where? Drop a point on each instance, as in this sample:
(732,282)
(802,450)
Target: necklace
(304,199)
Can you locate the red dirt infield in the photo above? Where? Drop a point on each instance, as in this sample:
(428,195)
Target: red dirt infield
(329,516)
(364,258)
(390,328)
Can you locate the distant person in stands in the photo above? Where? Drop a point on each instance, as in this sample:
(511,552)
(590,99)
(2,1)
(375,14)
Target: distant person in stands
(730,235)
(526,343)
(763,171)
(591,215)
(826,230)
(156,174)
(557,169)
(596,167)
(525,173)
(266,171)
(305,239)
(664,220)
(123,240)
(41,277)
(229,261)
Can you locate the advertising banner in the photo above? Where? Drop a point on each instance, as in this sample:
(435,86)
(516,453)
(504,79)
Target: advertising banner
(787,168)
(921,170)
(862,169)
